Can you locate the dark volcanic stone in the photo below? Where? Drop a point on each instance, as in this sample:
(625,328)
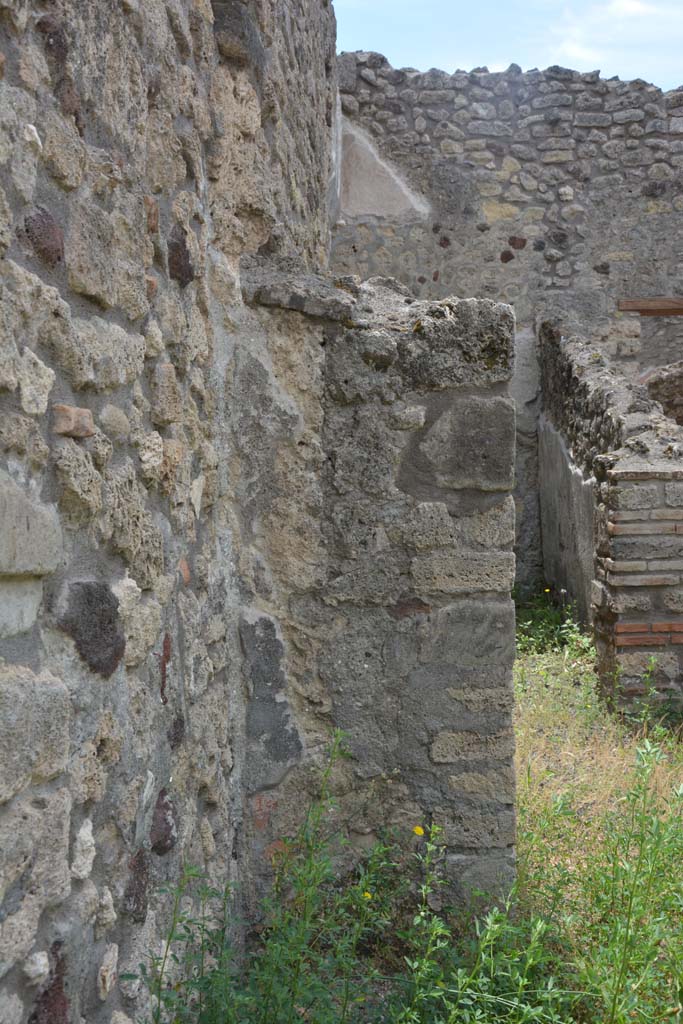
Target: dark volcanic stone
(164,833)
(70,101)
(179,262)
(52,1005)
(176,732)
(654,189)
(92,621)
(46,236)
(56,45)
(272,737)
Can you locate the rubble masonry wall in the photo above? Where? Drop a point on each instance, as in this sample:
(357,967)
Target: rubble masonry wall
(233,512)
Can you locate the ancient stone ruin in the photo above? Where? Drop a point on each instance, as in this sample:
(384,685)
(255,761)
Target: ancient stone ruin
(258,449)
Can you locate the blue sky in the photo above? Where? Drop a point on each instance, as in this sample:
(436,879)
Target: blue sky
(628,38)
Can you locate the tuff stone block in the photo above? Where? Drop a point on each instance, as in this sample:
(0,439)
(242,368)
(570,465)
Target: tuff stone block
(472,445)
(35,718)
(31,536)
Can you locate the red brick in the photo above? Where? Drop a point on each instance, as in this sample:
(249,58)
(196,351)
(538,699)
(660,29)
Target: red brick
(71,421)
(152,210)
(647,640)
(632,627)
(667,627)
(677,638)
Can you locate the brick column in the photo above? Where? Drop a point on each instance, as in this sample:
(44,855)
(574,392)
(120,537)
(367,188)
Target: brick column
(638,594)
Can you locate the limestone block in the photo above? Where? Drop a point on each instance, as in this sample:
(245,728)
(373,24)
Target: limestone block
(63,149)
(106,914)
(470,341)
(674,494)
(310,294)
(31,537)
(472,873)
(21,435)
(496,783)
(18,147)
(478,827)
(152,456)
(81,483)
(100,355)
(31,315)
(452,747)
(36,969)
(131,527)
(11,1008)
(35,717)
(141,620)
(6,219)
(106,254)
(472,445)
(20,599)
(35,383)
(33,866)
(470,636)
(494,528)
(84,851)
(108,972)
(115,422)
(454,572)
(167,399)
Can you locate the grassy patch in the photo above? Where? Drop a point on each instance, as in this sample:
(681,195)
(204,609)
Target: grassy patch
(600,840)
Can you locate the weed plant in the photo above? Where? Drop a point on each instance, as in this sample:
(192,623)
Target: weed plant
(591,934)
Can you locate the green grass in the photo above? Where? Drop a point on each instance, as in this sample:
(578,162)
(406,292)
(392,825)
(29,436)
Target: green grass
(592,933)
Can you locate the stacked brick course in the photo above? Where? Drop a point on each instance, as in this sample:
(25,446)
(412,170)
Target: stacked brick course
(620,445)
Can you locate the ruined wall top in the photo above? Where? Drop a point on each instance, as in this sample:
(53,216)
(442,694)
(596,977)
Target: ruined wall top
(551,190)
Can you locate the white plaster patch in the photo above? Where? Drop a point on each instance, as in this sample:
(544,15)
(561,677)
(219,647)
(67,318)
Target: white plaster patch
(370,186)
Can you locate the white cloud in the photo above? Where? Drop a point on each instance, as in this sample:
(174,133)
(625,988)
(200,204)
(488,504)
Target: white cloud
(629,9)
(623,37)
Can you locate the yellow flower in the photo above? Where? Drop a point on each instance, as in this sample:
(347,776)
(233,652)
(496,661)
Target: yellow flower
(547,590)
(367,895)
(418,830)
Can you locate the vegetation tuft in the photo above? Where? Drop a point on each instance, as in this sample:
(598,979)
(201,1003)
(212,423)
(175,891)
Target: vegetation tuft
(591,934)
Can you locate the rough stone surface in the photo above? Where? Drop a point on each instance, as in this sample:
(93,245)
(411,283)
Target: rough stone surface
(611,464)
(35,716)
(31,536)
(555,194)
(568,500)
(230,517)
